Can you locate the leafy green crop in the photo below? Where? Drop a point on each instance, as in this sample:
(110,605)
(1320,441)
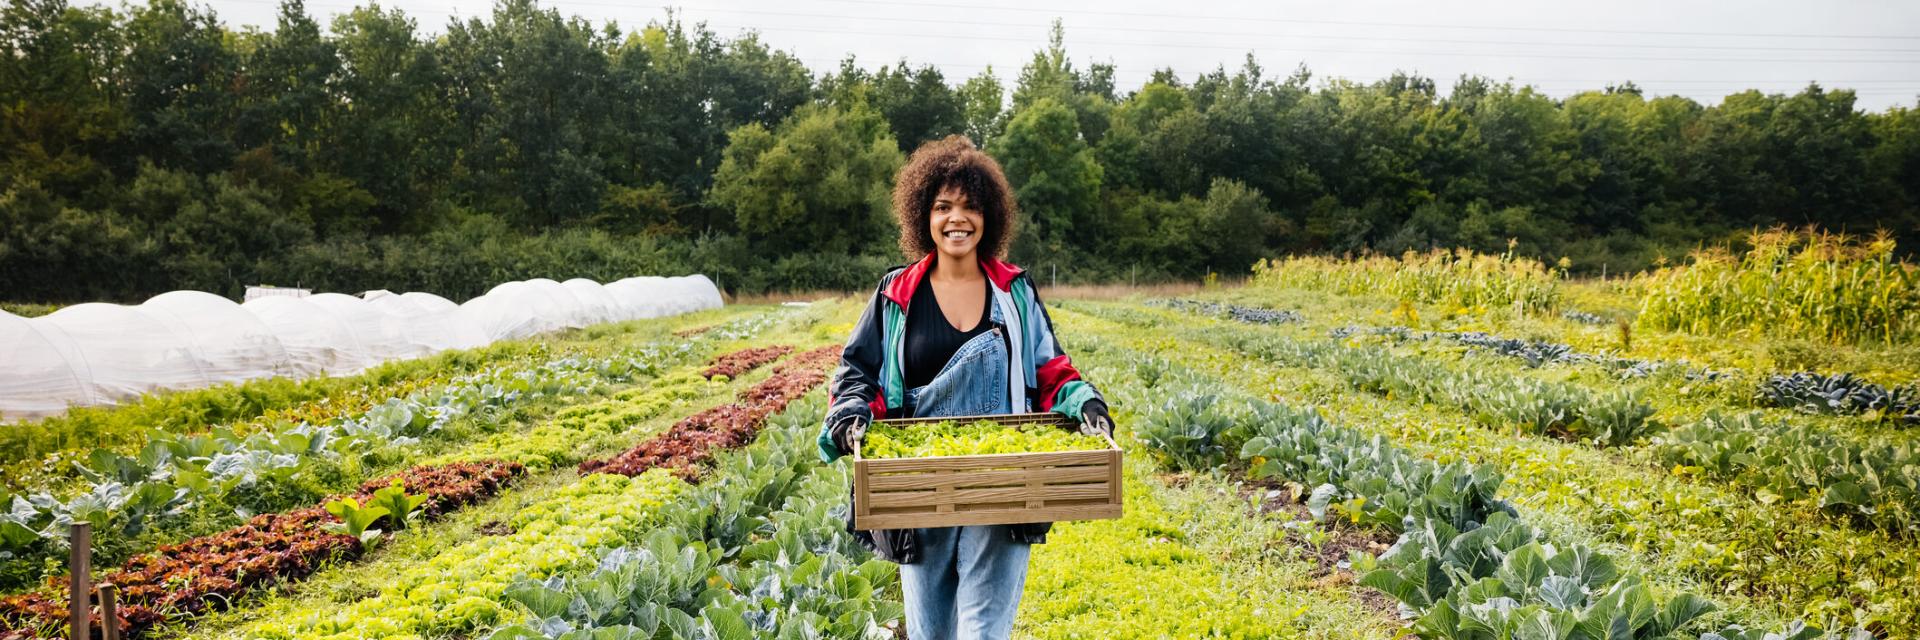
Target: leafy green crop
(461,588)
(356,520)
(759,550)
(1573,594)
(1189,430)
(398,504)
(1877,483)
(952,438)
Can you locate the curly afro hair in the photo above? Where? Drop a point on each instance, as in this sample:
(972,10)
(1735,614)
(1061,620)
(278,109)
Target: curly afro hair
(952,161)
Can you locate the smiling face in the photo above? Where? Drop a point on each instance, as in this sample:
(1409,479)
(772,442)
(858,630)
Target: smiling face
(955,223)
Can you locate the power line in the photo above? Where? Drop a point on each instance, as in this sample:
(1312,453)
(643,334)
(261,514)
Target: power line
(1265,35)
(1742,84)
(1216,18)
(1178,45)
(978,7)
(1735,86)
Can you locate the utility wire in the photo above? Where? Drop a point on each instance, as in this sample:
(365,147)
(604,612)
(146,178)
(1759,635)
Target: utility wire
(1743,84)
(977,7)
(1180,45)
(1056,11)
(1156,30)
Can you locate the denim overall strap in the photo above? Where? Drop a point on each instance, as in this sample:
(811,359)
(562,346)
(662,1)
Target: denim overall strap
(972,383)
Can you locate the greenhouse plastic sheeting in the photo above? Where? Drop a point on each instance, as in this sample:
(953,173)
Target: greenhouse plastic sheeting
(634,294)
(317,341)
(39,372)
(515,310)
(596,304)
(430,323)
(232,344)
(125,351)
(569,311)
(384,335)
(99,353)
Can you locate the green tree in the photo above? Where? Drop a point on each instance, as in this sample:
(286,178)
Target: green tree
(287,101)
(179,74)
(1054,176)
(397,141)
(537,105)
(819,183)
(918,104)
(1237,225)
(983,107)
(60,112)
(1050,75)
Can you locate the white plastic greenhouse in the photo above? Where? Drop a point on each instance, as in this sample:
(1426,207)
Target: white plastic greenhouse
(97,353)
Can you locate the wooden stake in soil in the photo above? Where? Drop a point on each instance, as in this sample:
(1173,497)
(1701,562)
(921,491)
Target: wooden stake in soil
(79,601)
(109,611)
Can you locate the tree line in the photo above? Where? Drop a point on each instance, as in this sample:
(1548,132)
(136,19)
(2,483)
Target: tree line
(152,147)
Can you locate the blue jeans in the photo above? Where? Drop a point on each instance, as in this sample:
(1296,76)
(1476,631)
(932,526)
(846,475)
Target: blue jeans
(968,581)
(967,584)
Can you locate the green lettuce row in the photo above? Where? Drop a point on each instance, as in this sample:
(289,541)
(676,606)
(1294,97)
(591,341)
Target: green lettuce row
(558,442)
(461,589)
(1174,566)
(727,565)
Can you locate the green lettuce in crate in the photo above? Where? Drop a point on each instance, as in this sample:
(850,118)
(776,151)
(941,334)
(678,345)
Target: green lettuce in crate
(951,438)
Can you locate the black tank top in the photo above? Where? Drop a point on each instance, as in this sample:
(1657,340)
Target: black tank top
(931,341)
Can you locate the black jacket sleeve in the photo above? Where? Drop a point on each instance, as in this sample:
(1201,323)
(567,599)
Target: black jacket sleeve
(857,382)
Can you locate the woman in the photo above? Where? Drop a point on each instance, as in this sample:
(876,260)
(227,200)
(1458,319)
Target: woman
(957,333)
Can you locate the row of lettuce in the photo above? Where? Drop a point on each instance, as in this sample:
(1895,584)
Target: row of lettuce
(185,579)
(739,540)
(180,484)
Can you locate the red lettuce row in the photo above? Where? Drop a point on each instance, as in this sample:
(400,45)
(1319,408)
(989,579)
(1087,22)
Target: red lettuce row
(692,441)
(733,364)
(209,572)
(826,357)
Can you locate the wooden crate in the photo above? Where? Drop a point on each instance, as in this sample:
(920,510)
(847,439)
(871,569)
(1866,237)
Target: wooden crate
(1011,488)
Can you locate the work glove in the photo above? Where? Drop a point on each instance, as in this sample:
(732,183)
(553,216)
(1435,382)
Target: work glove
(1094,420)
(849,429)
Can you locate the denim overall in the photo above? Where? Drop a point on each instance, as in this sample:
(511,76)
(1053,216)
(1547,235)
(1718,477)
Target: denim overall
(967,583)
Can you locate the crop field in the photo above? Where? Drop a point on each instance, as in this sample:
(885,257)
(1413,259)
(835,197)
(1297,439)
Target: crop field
(1309,455)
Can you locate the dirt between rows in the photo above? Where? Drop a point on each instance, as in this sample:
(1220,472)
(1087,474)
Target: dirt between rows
(1346,538)
(1343,539)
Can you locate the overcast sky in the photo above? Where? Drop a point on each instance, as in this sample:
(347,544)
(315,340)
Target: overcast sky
(1699,49)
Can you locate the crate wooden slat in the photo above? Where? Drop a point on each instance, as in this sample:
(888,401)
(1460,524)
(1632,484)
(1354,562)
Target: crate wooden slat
(1011,488)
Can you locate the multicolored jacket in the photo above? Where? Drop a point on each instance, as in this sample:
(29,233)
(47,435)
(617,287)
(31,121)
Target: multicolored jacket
(1040,377)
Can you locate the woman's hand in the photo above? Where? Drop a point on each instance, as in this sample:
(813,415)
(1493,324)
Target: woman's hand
(850,429)
(1094,420)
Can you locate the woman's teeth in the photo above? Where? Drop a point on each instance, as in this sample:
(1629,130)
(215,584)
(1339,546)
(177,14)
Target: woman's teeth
(957,235)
